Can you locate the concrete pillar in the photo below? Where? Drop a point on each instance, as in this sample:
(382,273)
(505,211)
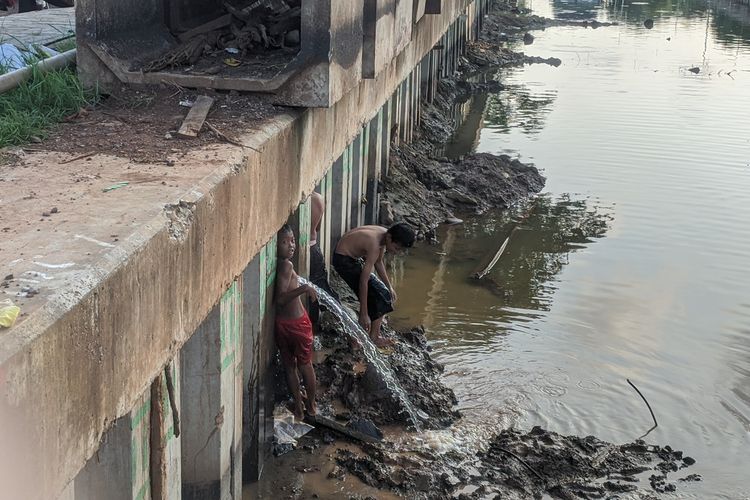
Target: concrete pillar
(373,166)
(258,352)
(341,187)
(385,140)
(324,235)
(357,187)
(212,383)
(394,125)
(166,447)
(300,223)
(267,344)
(404,109)
(120,469)
(252,324)
(346,189)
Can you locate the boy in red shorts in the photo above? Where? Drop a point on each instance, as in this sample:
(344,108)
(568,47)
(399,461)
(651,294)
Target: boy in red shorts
(294,334)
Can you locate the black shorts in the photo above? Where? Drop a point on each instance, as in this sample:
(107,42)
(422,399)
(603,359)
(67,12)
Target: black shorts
(378,296)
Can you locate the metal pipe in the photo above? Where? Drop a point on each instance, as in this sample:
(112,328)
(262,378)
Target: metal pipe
(11,80)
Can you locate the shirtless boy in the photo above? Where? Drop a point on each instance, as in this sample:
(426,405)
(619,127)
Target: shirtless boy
(294,335)
(358,253)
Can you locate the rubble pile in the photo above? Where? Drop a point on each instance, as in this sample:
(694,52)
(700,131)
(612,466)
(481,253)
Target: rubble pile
(247,27)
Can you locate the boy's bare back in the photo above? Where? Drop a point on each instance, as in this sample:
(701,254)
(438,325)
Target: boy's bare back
(361,241)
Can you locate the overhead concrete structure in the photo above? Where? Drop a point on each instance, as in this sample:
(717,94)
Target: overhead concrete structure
(118,38)
(181,276)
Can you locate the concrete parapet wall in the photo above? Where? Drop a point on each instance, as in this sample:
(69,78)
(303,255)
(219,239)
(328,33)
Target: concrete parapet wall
(85,356)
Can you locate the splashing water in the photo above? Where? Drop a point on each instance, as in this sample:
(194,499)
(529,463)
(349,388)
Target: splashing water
(373,356)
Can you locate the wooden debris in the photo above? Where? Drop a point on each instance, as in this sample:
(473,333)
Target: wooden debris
(487,268)
(218,23)
(484,269)
(246,27)
(341,429)
(80,157)
(185,53)
(221,135)
(194,120)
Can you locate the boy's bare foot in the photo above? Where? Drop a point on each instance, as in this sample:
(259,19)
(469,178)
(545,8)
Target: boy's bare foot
(383,342)
(311,408)
(297,410)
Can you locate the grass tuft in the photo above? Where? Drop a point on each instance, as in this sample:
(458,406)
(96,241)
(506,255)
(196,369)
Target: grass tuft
(27,111)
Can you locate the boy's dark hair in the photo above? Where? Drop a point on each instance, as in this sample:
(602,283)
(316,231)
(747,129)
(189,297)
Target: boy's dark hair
(286,228)
(403,234)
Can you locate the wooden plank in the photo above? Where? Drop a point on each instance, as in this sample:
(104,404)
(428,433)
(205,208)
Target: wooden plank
(341,429)
(216,24)
(484,270)
(195,118)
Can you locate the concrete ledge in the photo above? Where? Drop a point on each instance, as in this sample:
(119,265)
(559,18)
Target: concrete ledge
(90,347)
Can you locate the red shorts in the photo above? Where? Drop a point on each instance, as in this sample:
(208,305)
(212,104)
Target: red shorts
(295,339)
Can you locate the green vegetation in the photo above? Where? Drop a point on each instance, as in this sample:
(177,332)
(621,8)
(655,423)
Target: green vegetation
(27,111)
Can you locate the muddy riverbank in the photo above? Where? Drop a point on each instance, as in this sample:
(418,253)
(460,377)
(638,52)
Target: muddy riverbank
(425,188)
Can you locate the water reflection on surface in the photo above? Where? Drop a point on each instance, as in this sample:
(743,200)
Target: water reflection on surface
(655,287)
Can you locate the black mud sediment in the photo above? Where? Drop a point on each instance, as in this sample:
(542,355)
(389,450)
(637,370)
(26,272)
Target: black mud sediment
(517,465)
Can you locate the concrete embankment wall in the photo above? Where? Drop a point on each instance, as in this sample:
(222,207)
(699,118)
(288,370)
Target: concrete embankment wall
(180,315)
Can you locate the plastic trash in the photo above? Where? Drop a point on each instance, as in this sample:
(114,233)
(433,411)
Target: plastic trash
(286,431)
(13,58)
(8,313)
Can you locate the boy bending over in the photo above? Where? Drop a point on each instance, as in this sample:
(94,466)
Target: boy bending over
(294,335)
(358,253)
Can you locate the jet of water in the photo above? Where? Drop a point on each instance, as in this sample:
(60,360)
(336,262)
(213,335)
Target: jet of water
(371,352)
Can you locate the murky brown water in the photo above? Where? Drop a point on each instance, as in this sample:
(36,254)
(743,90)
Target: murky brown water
(635,264)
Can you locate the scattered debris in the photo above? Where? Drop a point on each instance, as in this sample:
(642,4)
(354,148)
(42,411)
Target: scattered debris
(115,186)
(695,70)
(221,135)
(76,158)
(8,313)
(348,430)
(286,431)
(247,28)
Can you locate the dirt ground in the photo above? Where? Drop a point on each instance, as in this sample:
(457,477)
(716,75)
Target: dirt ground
(141,125)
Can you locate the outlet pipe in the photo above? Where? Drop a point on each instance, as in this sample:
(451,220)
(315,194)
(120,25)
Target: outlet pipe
(11,80)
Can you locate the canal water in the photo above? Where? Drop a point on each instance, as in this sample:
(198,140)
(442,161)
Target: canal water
(634,263)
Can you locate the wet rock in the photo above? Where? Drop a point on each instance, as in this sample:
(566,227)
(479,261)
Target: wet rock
(692,477)
(282,449)
(386,213)
(695,70)
(292,38)
(528,39)
(365,426)
(688,461)
(337,473)
(648,23)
